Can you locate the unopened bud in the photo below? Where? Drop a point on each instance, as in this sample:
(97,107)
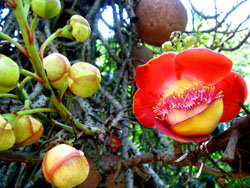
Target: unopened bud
(57,67)
(7,137)
(27,130)
(189,41)
(167,46)
(9,74)
(80,28)
(46,9)
(65,166)
(84,79)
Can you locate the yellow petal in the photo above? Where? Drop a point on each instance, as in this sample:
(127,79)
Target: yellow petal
(203,123)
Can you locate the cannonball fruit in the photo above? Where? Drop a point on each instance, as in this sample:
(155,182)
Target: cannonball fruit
(158,19)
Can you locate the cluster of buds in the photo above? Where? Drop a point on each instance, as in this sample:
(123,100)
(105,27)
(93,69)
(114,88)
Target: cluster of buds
(179,42)
(9,74)
(21,130)
(65,166)
(83,78)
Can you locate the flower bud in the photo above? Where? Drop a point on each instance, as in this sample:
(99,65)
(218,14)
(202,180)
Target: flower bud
(190,41)
(9,74)
(46,9)
(27,130)
(80,28)
(57,67)
(167,46)
(10,118)
(65,166)
(7,137)
(84,79)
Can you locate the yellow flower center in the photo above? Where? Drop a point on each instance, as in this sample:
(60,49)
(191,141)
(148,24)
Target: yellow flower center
(184,100)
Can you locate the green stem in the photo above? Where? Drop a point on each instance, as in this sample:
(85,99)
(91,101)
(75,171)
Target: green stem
(26,7)
(88,130)
(25,80)
(8,95)
(65,127)
(18,45)
(33,25)
(69,101)
(37,110)
(45,44)
(26,104)
(63,90)
(30,74)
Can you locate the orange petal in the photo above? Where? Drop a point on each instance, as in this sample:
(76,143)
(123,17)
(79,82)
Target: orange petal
(234,88)
(143,108)
(157,75)
(202,65)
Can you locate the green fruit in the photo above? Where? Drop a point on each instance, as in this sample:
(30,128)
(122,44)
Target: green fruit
(9,74)
(46,9)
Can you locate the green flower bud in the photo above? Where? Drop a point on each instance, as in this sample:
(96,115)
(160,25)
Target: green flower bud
(9,74)
(46,9)
(80,28)
(7,137)
(27,130)
(57,67)
(10,118)
(167,46)
(65,166)
(189,41)
(84,79)
(183,36)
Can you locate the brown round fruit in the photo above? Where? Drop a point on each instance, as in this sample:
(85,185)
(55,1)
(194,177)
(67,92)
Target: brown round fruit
(158,19)
(140,55)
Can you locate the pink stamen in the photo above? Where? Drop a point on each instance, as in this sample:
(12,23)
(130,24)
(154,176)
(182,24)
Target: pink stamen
(186,99)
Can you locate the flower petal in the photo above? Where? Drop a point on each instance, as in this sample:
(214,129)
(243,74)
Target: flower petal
(157,75)
(202,65)
(234,88)
(143,108)
(201,124)
(164,128)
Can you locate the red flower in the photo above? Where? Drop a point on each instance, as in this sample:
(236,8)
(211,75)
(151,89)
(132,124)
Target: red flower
(115,142)
(186,95)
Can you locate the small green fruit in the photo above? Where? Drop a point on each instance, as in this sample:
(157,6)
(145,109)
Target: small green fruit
(7,137)
(57,67)
(65,166)
(46,9)
(9,74)
(27,130)
(84,79)
(80,28)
